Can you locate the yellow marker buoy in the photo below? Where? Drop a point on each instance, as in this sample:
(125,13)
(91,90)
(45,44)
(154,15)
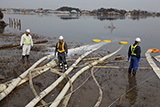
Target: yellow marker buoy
(107,41)
(96,40)
(123,42)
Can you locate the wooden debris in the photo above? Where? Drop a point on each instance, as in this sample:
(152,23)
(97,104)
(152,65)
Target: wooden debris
(16,81)
(2,77)
(53,85)
(118,67)
(119,58)
(86,59)
(74,77)
(17,44)
(156,69)
(120,99)
(157,58)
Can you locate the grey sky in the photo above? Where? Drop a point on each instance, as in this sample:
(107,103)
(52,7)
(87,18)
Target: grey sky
(149,5)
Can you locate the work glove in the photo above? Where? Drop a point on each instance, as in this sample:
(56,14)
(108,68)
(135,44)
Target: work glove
(32,47)
(20,47)
(55,54)
(66,54)
(139,59)
(128,58)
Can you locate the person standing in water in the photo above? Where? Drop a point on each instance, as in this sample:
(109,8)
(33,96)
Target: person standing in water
(135,53)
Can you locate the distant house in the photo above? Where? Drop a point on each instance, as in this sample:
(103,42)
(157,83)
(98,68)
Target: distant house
(128,14)
(73,11)
(85,12)
(113,13)
(135,12)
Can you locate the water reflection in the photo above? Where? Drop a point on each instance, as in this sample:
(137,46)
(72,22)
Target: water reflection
(69,16)
(137,17)
(110,17)
(1,30)
(121,17)
(2,26)
(131,90)
(84,28)
(15,23)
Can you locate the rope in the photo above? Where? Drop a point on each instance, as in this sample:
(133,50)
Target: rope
(45,66)
(73,90)
(30,78)
(98,102)
(129,90)
(99,97)
(16,81)
(84,64)
(64,91)
(52,86)
(100,90)
(32,87)
(52,70)
(65,102)
(38,72)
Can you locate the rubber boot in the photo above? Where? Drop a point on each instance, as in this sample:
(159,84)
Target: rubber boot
(65,67)
(22,60)
(134,72)
(23,57)
(60,65)
(129,71)
(27,57)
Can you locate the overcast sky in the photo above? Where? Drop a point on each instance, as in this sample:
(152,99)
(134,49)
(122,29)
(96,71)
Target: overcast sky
(149,5)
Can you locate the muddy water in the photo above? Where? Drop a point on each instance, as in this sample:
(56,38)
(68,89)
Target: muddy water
(135,91)
(140,91)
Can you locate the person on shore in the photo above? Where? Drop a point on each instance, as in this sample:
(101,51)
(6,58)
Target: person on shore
(61,48)
(26,44)
(135,53)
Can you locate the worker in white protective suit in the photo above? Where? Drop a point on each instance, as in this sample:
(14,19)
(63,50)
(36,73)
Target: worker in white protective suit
(26,44)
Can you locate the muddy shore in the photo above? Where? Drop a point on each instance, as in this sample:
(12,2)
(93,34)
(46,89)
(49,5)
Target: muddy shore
(140,91)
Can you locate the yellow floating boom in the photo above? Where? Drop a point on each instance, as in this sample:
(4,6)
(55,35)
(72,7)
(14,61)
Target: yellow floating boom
(96,40)
(123,42)
(107,41)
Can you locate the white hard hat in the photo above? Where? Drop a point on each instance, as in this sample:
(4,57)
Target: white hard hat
(60,37)
(28,30)
(138,40)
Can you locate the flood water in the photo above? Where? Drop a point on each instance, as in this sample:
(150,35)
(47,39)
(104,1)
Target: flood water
(85,28)
(142,91)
